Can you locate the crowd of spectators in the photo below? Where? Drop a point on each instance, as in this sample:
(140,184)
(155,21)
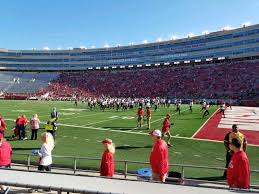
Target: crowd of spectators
(235,81)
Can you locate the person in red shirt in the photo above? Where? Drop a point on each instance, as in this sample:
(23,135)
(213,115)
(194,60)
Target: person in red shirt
(166,128)
(158,157)
(148,115)
(238,172)
(21,124)
(5,158)
(107,163)
(2,125)
(140,116)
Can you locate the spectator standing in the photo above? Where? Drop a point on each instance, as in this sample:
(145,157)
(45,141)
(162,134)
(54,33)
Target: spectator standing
(2,125)
(54,114)
(45,152)
(107,163)
(238,173)
(234,134)
(158,157)
(21,124)
(35,125)
(5,158)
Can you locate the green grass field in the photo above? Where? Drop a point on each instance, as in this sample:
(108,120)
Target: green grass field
(81,130)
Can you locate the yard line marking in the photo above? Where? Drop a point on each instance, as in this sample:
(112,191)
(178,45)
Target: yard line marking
(100,122)
(197,155)
(220,159)
(87,139)
(134,132)
(81,116)
(204,123)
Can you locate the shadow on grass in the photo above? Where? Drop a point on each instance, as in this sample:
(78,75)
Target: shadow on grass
(214,178)
(17,149)
(128,147)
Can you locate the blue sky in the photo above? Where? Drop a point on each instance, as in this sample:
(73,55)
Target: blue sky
(27,24)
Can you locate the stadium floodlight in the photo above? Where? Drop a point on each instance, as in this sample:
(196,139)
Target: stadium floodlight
(122,67)
(89,68)
(157,64)
(130,66)
(209,59)
(177,62)
(166,63)
(187,62)
(105,67)
(148,65)
(114,67)
(139,65)
(221,58)
(197,60)
(97,67)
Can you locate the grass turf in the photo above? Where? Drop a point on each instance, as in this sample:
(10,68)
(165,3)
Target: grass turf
(81,130)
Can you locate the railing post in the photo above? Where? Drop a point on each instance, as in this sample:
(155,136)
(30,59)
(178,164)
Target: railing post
(182,175)
(28,161)
(125,169)
(75,167)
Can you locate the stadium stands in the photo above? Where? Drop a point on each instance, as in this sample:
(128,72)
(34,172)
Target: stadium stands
(24,82)
(215,81)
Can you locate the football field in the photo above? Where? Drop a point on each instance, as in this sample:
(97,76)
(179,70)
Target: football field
(80,132)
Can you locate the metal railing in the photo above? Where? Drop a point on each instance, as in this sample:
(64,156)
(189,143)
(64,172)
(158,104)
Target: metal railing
(74,168)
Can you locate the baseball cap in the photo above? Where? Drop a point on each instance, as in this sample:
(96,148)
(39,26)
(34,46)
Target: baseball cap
(156,133)
(107,141)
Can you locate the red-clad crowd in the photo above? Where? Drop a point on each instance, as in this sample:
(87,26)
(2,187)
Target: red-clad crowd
(230,80)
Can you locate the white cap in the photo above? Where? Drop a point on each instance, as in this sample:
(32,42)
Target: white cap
(156,133)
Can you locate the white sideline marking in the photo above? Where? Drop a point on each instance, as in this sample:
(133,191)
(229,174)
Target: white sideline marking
(177,135)
(220,159)
(75,137)
(204,123)
(197,155)
(87,139)
(134,132)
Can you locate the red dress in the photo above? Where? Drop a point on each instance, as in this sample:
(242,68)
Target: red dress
(159,158)
(166,126)
(5,154)
(107,164)
(238,173)
(2,125)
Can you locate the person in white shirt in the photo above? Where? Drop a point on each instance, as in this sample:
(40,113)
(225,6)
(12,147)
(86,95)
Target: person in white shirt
(191,105)
(45,152)
(206,112)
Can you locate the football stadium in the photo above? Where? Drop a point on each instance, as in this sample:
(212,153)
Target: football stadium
(189,93)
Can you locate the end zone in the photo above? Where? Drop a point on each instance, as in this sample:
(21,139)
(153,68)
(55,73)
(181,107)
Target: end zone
(216,127)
